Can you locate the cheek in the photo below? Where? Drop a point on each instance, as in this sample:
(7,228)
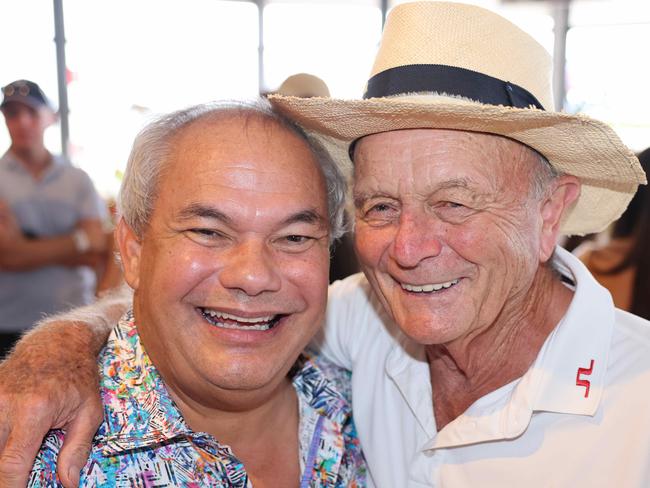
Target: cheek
(371,243)
(307,276)
(470,242)
(176,268)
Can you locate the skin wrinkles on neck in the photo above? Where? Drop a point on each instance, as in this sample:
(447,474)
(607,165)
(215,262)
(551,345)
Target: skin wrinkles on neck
(467,369)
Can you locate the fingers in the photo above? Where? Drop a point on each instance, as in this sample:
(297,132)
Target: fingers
(78,440)
(23,443)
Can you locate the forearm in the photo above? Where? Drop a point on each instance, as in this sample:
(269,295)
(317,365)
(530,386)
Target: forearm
(90,324)
(51,381)
(35,253)
(21,254)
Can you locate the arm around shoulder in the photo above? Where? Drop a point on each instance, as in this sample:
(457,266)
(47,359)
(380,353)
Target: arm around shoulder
(51,381)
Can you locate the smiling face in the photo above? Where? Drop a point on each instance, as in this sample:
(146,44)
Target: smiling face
(446,228)
(231,272)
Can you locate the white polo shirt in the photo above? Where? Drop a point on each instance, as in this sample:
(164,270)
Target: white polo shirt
(579,417)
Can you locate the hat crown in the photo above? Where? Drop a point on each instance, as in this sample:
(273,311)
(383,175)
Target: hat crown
(467,37)
(304,85)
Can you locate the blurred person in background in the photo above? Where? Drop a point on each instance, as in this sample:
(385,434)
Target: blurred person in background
(343,262)
(51,232)
(622,265)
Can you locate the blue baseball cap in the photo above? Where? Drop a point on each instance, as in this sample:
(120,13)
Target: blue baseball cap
(25,92)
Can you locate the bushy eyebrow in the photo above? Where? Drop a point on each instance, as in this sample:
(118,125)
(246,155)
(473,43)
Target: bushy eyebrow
(203,211)
(308,216)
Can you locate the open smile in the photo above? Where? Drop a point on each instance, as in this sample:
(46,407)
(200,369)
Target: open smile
(428,288)
(225,320)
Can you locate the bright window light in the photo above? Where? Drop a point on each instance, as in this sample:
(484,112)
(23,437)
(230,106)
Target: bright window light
(28,52)
(607,75)
(131,60)
(335,41)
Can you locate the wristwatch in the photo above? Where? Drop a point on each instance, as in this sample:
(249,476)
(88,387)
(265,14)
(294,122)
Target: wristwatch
(81,240)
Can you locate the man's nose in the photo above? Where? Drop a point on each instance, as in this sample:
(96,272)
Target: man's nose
(417,238)
(251,268)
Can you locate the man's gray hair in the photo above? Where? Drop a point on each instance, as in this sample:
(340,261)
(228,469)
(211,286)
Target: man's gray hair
(543,174)
(152,147)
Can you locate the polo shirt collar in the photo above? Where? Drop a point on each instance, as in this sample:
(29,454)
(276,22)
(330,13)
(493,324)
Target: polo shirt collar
(13,164)
(408,368)
(572,365)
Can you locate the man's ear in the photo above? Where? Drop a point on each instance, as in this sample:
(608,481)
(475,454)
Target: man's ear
(565,191)
(130,250)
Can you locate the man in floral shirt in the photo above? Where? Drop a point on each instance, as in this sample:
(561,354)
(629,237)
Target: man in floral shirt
(144,436)
(228,214)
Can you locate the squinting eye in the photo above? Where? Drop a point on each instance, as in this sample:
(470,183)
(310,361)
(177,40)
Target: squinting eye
(207,237)
(378,213)
(295,243)
(454,204)
(206,232)
(297,239)
(382,207)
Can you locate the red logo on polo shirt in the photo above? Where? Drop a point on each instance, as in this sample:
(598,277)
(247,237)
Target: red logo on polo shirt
(586,372)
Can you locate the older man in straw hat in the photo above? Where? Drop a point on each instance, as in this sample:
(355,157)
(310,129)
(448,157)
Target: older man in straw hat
(482,354)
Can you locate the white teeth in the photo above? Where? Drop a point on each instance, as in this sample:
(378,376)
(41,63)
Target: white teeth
(239,327)
(245,320)
(219,319)
(428,288)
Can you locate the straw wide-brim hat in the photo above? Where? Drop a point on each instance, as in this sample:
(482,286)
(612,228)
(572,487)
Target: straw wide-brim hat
(455,66)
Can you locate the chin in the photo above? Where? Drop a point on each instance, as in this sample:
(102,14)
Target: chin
(426,332)
(244,380)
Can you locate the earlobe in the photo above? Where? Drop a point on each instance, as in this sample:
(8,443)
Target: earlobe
(566,190)
(130,251)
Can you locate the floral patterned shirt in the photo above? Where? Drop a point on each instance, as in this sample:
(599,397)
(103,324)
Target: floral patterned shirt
(145,442)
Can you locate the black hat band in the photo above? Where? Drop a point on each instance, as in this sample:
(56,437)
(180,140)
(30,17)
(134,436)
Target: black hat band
(451,80)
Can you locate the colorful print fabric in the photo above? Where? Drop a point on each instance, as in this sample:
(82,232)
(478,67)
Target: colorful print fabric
(144,441)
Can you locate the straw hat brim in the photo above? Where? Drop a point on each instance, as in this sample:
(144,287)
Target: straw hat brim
(573,144)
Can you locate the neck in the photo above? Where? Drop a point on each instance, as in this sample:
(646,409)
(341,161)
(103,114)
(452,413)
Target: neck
(35,159)
(261,431)
(467,369)
(240,418)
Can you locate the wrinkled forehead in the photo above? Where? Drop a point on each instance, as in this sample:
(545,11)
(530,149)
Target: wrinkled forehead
(430,145)
(424,159)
